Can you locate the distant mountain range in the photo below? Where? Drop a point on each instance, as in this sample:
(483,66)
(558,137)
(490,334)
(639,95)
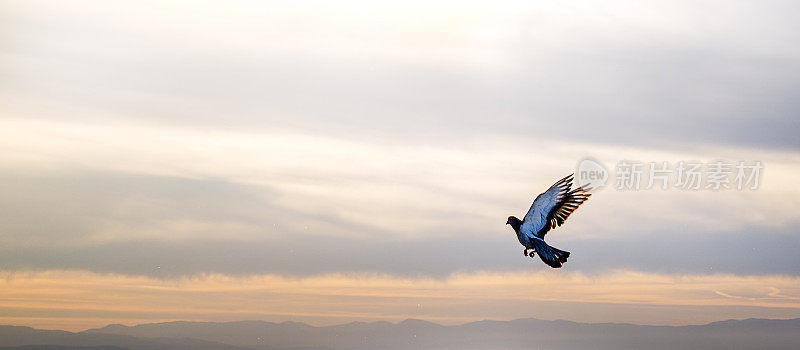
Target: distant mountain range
(410,334)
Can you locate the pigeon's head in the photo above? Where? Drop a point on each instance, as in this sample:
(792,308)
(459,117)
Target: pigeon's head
(513,221)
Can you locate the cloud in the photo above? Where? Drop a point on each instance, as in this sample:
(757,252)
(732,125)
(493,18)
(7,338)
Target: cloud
(404,189)
(302,254)
(125,198)
(329,162)
(614,73)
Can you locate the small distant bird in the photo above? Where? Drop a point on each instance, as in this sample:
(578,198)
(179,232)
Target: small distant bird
(548,211)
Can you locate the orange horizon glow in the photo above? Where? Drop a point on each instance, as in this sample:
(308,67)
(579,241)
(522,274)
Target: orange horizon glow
(78,300)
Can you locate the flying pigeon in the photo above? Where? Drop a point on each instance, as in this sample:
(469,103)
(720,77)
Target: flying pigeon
(548,211)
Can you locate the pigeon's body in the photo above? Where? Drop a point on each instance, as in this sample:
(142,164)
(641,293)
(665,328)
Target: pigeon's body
(548,211)
(523,239)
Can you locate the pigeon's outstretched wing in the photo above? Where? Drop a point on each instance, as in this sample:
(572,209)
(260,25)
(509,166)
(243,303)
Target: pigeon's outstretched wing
(552,208)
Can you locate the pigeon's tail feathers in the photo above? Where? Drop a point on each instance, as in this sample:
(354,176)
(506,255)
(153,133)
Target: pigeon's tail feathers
(551,256)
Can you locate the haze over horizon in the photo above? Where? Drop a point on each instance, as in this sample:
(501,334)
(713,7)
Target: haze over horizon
(329,163)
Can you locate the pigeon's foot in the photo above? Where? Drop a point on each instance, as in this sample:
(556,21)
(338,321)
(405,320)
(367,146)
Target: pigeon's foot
(525,252)
(532,253)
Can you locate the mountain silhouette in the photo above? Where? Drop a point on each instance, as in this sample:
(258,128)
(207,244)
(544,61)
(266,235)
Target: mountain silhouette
(414,334)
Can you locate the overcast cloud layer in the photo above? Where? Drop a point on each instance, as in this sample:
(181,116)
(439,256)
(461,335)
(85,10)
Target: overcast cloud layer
(304,139)
(623,73)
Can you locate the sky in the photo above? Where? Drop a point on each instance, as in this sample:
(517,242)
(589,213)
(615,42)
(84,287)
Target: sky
(330,162)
